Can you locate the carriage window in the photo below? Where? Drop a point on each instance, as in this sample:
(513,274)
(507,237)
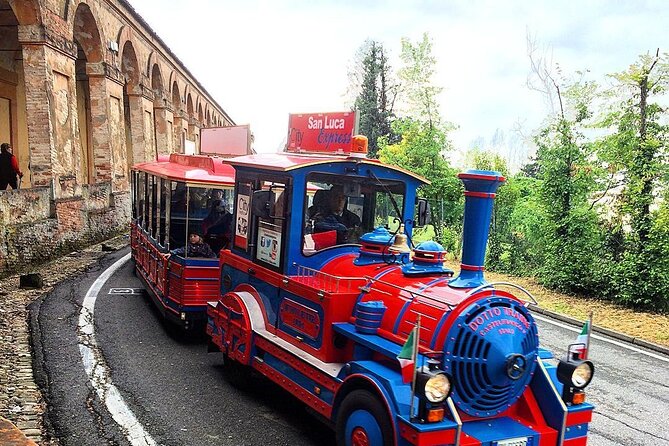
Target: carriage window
(216,226)
(163,201)
(202,210)
(153,205)
(343,208)
(134,194)
(146,208)
(177,219)
(141,187)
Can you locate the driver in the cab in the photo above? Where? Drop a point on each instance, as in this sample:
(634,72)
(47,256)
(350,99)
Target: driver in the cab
(336,216)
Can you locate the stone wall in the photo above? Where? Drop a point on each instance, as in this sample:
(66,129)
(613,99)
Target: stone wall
(35,227)
(87,90)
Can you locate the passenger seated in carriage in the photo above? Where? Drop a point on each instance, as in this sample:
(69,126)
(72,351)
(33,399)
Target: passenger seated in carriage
(196,247)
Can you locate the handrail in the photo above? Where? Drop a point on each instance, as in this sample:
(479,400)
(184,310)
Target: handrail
(416,293)
(509,284)
(333,282)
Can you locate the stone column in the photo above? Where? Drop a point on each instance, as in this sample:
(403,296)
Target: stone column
(100,132)
(117,141)
(160,126)
(195,129)
(177,131)
(150,152)
(135,101)
(38,91)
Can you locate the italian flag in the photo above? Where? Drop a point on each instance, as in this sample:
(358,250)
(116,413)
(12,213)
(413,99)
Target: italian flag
(583,340)
(407,358)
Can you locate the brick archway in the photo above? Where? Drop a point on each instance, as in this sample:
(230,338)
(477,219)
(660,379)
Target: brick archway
(179,121)
(162,130)
(132,105)
(27,12)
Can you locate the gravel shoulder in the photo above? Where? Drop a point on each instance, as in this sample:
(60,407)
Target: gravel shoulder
(21,399)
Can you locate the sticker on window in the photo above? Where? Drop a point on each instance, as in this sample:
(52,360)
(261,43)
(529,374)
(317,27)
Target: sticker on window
(269,246)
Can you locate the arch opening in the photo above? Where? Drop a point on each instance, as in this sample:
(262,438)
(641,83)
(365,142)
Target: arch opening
(89,50)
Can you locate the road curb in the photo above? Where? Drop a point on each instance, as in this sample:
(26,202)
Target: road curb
(605,331)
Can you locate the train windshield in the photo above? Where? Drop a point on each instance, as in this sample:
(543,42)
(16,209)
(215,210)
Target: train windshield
(344,208)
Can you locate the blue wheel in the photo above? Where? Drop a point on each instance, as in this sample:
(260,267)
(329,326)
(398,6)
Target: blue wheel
(363,421)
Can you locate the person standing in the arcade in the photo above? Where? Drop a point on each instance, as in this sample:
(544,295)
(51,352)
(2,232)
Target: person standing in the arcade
(9,168)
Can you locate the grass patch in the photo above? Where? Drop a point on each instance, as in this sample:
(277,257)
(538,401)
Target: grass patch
(650,327)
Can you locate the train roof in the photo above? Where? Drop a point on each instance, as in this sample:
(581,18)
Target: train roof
(191,168)
(285,162)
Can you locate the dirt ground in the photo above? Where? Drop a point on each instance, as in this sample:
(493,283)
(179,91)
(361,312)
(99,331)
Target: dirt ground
(647,326)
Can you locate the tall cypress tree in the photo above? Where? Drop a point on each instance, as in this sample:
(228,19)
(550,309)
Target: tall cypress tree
(376,97)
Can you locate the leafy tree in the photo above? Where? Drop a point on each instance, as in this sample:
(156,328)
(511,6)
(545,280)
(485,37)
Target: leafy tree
(418,91)
(420,150)
(637,152)
(567,174)
(376,96)
(531,168)
(516,239)
(423,141)
(486,160)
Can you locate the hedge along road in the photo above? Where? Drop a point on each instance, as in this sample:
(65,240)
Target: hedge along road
(177,394)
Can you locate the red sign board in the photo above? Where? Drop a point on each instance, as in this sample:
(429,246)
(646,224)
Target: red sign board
(300,318)
(321,132)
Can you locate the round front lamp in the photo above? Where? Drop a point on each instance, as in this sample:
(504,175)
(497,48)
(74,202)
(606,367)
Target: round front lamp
(437,388)
(575,373)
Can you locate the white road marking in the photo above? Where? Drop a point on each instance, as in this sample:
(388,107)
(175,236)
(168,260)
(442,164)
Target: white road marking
(124,291)
(602,338)
(98,371)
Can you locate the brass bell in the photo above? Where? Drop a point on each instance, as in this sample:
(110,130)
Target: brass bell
(400,244)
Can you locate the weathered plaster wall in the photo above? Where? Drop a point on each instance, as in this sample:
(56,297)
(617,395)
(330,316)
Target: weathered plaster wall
(90,90)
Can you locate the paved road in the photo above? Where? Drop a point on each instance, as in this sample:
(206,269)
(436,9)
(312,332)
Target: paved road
(178,393)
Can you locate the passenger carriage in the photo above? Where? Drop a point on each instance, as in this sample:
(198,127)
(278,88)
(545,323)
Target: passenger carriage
(324,312)
(171,198)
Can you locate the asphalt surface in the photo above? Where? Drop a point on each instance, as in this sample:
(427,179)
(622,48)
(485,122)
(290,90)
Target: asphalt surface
(174,387)
(178,392)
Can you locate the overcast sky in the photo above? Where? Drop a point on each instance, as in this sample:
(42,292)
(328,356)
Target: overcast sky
(261,60)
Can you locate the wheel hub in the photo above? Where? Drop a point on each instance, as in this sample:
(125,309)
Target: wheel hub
(359,437)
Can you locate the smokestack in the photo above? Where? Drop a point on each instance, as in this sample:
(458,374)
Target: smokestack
(480,188)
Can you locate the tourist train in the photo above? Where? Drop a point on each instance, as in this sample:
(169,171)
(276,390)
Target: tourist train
(320,288)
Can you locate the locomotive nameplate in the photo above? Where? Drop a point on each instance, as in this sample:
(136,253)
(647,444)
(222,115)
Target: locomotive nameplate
(504,320)
(300,318)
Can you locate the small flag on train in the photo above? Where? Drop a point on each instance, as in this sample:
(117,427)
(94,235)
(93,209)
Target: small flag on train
(582,344)
(407,358)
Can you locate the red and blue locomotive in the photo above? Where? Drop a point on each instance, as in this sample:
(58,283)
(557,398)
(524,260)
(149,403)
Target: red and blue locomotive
(319,293)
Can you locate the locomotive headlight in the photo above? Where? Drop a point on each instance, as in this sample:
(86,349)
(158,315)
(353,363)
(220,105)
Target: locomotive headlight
(437,388)
(575,373)
(582,375)
(434,387)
